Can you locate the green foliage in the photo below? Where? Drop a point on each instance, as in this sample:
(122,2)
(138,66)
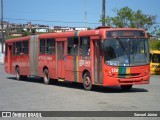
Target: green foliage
(158,33)
(26,33)
(127,18)
(33,30)
(10,37)
(154,44)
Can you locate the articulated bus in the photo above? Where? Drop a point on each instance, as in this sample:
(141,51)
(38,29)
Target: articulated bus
(104,56)
(155,62)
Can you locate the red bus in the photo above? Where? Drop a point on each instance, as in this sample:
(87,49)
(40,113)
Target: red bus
(104,56)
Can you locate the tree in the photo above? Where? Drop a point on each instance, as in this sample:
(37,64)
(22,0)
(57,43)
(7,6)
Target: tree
(158,33)
(154,44)
(127,18)
(26,33)
(33,30)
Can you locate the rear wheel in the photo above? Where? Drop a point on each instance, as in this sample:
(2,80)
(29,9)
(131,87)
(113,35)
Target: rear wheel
(18,76)
(24,77)
(126,87)
(87,83)
(46,77)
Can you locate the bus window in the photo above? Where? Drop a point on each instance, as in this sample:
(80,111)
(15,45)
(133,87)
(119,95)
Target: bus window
(14,48)
(42,46)
(156,58)
(85,46)
(110,50)
(47,46)
(150,57)
(73,46)
(6,50)
(50,47)
(18,49)
(25,47)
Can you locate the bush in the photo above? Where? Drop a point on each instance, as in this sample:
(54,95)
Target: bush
(154,44)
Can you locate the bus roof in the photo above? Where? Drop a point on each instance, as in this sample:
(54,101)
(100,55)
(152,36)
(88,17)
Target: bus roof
(101,31)
(18,39)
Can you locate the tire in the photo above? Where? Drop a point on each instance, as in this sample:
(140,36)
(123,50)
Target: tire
(126,87)
(24,77)
(18,76)
(87,82)
(46,77)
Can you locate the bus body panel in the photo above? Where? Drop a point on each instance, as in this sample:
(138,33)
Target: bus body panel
(12,60)
(33,51)
(126,75)
(155,62)
(155,68)
(75,66)
(72,68)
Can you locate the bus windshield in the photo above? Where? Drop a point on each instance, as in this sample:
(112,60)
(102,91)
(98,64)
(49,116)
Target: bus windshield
(126,51)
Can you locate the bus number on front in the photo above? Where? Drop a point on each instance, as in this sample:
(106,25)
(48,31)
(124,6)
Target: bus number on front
(114,70)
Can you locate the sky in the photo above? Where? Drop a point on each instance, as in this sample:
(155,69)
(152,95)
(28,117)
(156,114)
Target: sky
(71,12)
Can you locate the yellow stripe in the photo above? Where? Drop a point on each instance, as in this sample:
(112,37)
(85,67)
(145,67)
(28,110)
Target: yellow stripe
(78,33)
(77,69)
(128,70)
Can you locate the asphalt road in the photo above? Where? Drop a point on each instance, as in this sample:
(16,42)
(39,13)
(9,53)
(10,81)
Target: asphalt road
(33,95)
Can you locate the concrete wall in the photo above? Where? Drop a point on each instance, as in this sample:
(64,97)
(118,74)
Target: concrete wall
(1,55)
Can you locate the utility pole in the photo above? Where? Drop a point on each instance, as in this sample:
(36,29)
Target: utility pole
(85,17)
(103,12)
(2,35)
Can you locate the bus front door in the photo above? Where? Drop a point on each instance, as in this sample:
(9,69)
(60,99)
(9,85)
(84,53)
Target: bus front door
(9,58)
(60,59)
(97,63)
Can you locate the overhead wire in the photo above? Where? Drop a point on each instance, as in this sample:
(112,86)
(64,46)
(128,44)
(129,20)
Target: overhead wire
(58,21)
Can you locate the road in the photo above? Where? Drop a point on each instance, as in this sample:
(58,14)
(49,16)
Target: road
(33,95)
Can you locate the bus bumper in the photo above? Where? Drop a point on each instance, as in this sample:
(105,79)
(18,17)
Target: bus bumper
(111,81)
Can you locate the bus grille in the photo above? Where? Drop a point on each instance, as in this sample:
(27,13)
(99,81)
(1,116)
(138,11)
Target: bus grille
(128,75)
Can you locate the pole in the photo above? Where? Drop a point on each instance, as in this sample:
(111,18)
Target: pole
(2,35)
(85,17)
(103,12)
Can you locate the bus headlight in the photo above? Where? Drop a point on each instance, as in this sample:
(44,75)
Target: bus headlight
(146,72)
(109,73)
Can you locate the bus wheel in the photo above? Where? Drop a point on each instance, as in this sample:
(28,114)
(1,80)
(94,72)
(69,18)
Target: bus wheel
(46,77)
(18,76)
(126,87)
(87,83)
(24,77)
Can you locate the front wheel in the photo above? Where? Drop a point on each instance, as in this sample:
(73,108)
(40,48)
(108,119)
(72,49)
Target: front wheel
(126,87)
(46,77)
(87,82)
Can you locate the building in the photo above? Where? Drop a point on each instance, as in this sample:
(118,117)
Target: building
(56,29)
(1,54)
(41,30)
(5,25)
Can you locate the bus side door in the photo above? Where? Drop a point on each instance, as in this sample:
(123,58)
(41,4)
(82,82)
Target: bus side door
(60,58)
